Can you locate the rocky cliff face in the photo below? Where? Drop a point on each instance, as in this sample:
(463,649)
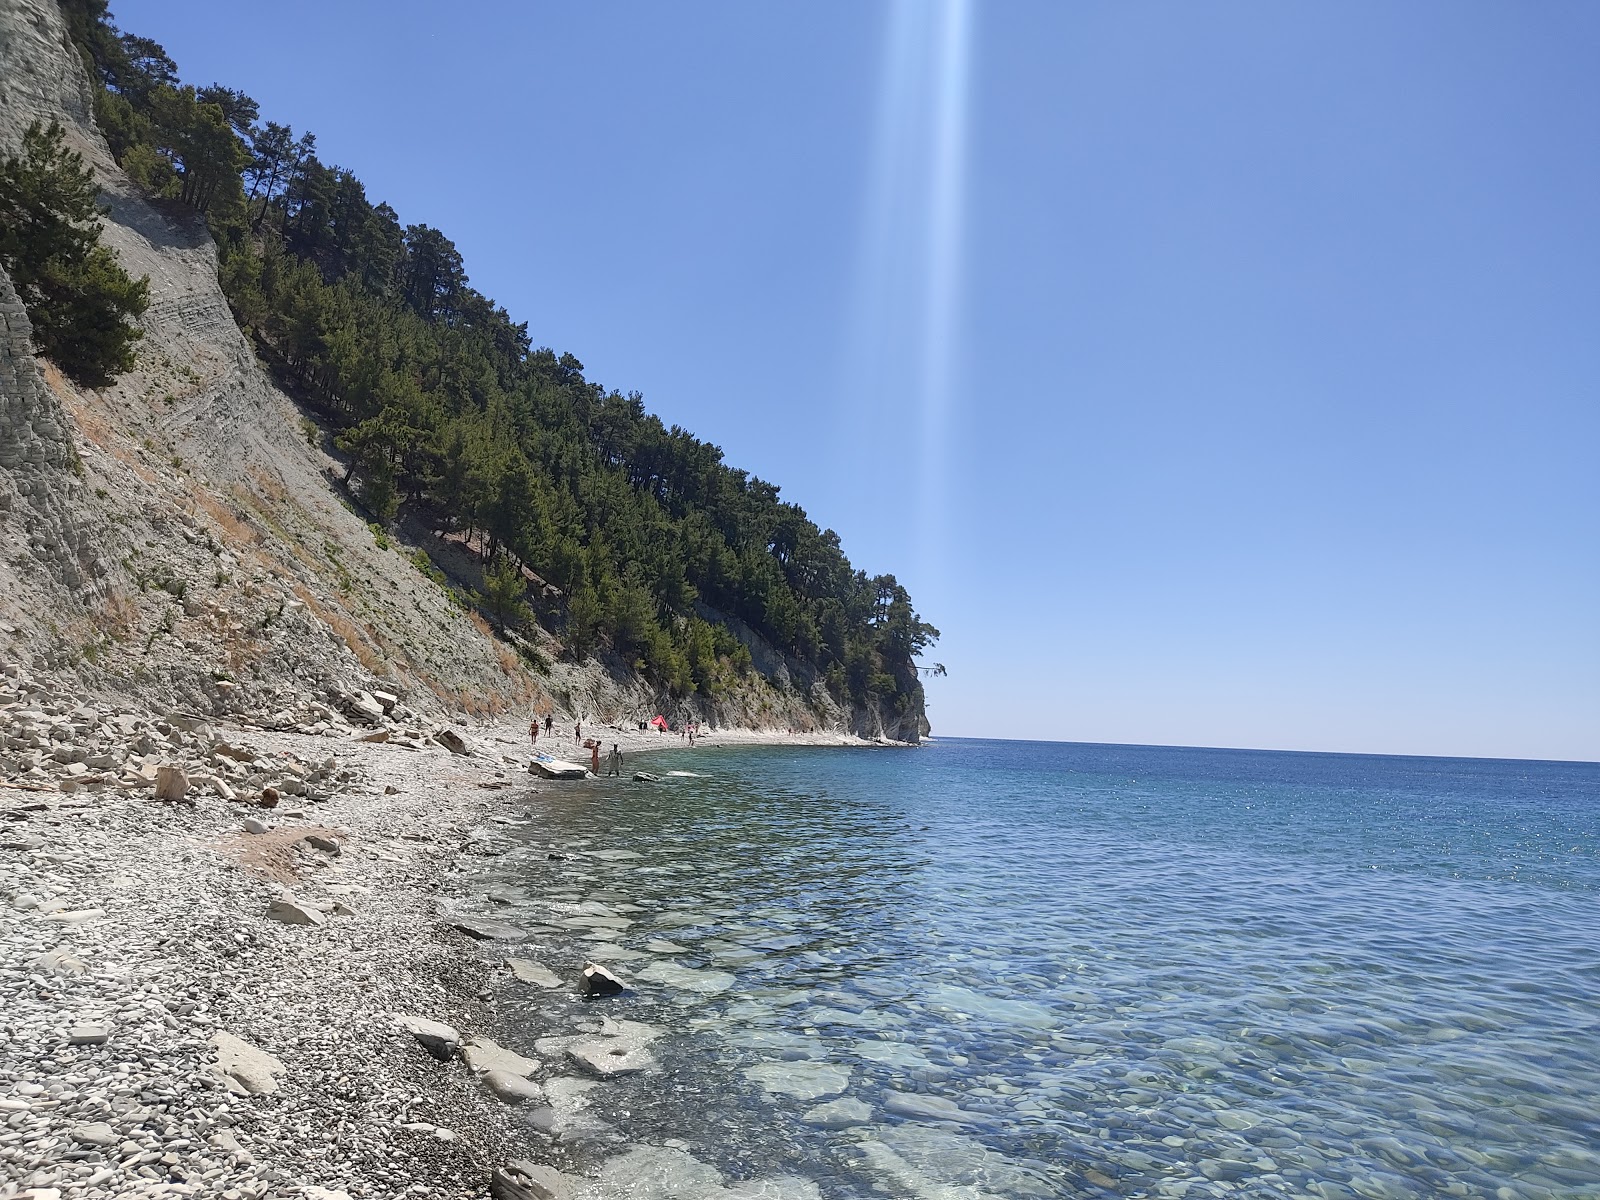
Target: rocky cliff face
(176,537)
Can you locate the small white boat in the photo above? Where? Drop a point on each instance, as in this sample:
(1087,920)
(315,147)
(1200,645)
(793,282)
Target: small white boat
(555,768)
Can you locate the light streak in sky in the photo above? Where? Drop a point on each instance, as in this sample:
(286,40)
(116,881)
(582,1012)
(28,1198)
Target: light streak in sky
(907,329)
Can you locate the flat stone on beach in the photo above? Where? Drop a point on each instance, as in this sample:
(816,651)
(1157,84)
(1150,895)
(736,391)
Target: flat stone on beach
(97,1134)
(486,930)
(437,1038)
(58,962)
(482,1054)
(291,912)
(88,1034)
(246,1069)
(512,1088)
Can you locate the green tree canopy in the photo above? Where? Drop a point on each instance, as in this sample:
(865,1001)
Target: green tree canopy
(78,297)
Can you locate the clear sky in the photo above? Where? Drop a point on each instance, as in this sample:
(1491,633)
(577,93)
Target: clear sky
(1218,374)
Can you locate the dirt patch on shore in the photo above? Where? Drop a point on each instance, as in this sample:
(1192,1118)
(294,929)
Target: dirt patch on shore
(277,855)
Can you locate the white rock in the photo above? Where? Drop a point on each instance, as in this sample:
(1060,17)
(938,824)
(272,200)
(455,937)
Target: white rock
(58,962)
(81,916)
(171,783)
(245,1068)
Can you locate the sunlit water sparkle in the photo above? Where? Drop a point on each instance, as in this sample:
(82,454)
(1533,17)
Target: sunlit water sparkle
(1065,970)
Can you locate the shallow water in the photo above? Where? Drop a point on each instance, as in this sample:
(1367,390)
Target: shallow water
(1039,969)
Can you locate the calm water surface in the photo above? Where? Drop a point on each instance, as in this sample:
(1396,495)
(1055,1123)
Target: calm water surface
(1042,969)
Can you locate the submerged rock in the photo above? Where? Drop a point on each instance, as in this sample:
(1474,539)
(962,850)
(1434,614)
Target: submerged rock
(529,971)
(486,930)
(621,1049)
(802,1080)
(660,1172)
(931,1108)
(838,1114)
(705,983)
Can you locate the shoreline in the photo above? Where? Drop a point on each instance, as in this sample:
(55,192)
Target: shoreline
(138,930)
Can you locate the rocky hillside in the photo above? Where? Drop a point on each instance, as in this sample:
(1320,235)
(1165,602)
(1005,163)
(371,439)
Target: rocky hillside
(180,539)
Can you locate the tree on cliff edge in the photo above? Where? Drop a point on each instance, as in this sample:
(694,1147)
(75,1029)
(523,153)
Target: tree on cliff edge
(78,297)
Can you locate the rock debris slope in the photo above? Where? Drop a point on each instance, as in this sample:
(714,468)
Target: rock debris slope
(177,531)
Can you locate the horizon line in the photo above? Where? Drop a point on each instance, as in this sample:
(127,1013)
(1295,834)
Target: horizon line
(956,737)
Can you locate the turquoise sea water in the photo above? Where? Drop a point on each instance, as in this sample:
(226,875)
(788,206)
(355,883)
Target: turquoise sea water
(1040,969)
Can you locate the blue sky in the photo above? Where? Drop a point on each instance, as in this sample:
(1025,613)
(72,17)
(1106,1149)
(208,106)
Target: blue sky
(1236,386)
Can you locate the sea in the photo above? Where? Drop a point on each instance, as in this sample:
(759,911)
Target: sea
(1035,969)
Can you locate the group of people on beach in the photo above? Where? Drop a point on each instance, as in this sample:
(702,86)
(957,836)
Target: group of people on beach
(613,759)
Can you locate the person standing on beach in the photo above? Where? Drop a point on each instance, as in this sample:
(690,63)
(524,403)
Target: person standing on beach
(577,732)
(549,722)
(533,731)
(594,758)
(614,760)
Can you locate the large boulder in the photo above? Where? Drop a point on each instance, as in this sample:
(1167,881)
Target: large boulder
(171,783)
(363,707)
(597,981)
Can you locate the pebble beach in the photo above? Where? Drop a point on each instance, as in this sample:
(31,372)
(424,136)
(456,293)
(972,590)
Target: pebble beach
(219,993)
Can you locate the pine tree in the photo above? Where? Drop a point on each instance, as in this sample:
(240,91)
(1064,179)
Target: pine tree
(78,297)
